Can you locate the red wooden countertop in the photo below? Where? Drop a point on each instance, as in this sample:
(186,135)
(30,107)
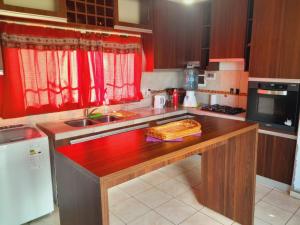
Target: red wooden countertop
(111,154)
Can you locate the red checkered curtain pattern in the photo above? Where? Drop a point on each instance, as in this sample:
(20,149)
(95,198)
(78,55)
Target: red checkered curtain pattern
(50,70)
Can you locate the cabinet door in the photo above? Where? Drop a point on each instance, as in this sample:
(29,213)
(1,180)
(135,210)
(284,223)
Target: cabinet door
(228,30)
(290,42)
(275,158)
(275,46)
(177,32)
(194,30)
(167,34)
(265,43)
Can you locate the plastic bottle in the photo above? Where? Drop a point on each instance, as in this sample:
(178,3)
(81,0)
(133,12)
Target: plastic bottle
(175,98)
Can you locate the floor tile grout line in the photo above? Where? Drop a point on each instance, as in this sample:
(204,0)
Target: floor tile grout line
(270,203)
(277,208)
(262,220)
(292,215)
(155,206)
(161,214)
(109,211)
(188,218)
(214,218)
(169,201)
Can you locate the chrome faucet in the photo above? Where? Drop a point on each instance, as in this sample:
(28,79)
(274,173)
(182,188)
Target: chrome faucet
(87,113)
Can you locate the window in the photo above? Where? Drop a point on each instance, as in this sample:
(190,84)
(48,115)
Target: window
(49,70)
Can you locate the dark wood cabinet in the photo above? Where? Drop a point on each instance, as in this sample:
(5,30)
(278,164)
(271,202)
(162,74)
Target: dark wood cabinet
(228,29)
(275,158)
(180,34)
(167,34)
(275,46)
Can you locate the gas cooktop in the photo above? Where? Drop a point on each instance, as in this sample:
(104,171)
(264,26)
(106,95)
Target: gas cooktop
(223,109)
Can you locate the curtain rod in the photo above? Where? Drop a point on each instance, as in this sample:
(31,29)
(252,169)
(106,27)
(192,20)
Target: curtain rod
(71,28)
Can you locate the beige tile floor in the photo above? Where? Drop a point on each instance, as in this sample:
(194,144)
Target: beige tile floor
(168,196)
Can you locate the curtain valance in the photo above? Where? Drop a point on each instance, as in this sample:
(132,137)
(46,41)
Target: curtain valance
(31,37)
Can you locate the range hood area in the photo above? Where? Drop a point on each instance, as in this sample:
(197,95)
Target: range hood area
(226,65)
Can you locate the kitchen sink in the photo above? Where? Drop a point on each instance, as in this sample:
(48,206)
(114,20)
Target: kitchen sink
(89,122)
(80,123)
(106,119)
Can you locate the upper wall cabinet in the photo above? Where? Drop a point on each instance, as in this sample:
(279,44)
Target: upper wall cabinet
(275,46)
(168,35)
(228,29)
(180,34)
(50,8)
(134,14)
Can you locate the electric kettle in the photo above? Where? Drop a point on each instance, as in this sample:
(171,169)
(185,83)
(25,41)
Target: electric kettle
(159,101)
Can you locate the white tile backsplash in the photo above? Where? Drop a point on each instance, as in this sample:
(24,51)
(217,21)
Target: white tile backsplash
(228,79)
(160,80)
(225,80)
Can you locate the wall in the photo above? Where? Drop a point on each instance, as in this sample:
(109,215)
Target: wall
(153,81)
(49,5)
(223,82)
(296,179)
(160,80)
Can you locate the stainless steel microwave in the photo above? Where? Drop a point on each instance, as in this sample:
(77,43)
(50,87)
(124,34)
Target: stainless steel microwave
(274,104)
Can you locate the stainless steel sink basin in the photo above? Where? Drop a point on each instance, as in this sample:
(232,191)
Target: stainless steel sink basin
(89,122)
(80,123)
(106,119)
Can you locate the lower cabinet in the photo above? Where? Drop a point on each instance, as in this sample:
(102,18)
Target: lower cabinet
(275,158)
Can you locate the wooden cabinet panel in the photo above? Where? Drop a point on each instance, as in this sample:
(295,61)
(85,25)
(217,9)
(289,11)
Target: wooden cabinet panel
(289,66)
(275,158)
(265,41)
(275,46)
(228,29)
(168,35)
(194,31)
(177,31)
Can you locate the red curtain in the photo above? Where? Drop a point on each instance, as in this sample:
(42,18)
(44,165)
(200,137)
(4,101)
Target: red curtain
(44,73)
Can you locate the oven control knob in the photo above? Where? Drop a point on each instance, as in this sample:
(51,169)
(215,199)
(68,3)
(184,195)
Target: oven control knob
(288,122)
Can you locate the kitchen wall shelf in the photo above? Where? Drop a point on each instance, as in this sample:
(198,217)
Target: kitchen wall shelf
(91,12)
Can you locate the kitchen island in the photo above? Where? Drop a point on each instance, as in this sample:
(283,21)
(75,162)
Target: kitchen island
(85,171)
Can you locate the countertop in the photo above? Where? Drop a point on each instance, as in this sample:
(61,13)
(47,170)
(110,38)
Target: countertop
(59,130)
(108,155)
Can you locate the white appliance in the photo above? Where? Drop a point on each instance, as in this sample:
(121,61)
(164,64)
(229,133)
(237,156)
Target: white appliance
(190,99)
(159,101)
(213,99)
(25,175)
(191,74)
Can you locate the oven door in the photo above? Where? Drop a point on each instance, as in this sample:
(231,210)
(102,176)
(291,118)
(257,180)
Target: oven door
(274,108)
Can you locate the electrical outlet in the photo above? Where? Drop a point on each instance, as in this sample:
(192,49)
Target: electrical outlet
(210,75)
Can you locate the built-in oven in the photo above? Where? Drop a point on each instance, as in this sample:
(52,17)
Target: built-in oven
(274,104)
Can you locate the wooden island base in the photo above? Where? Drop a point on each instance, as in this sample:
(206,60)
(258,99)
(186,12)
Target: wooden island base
(87,170)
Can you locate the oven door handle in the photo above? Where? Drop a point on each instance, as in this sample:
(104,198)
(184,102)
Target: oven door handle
(271,92)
